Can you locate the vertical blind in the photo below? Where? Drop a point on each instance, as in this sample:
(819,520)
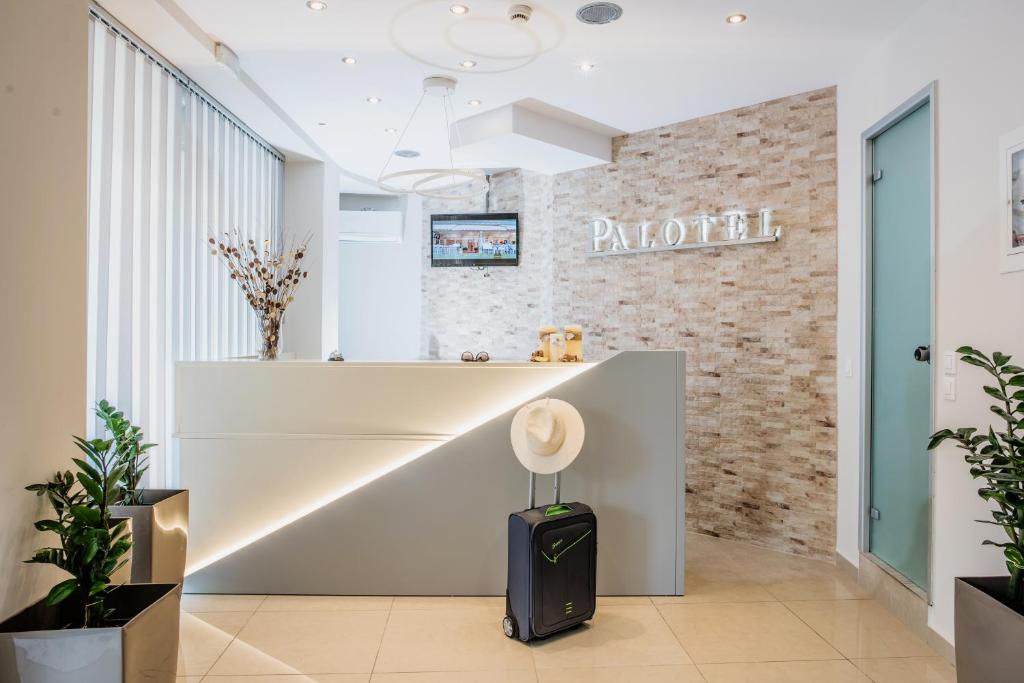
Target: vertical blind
(169,168)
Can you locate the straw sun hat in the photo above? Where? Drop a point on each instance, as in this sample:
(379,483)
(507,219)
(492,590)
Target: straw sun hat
(547,435)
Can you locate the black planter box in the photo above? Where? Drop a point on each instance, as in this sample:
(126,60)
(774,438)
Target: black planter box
(989,631)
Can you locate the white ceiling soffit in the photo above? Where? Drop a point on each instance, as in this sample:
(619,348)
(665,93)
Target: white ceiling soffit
(664,61)
(171,32)
(536,136)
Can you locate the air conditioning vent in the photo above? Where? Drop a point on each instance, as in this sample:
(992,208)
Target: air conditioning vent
(599,13)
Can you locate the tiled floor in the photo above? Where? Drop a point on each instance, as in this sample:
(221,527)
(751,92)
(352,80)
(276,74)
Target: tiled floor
(750,615)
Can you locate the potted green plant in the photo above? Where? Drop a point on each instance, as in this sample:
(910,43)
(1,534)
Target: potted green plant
(87,628)
(159,516)
(989,611)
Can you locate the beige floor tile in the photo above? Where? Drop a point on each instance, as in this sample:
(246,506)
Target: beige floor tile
(188,679)
(747,632)
(292,678)
(623,635)
(766,567)
(612,600)
(456,602)
(201,602)
(323,603)
(860,628)
(908,670)
(708,560)
(623,674)
(204,637)
(515,676)
(826,588)
(712,571)
(703,590)
(835,671)
(304,642)
(449,639)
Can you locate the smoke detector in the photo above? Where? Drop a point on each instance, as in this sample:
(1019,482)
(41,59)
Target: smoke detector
(520,14)
(599,13)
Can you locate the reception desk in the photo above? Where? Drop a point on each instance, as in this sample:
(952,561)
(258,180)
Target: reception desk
(398,478)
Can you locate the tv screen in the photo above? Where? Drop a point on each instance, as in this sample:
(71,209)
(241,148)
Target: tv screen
(474,239)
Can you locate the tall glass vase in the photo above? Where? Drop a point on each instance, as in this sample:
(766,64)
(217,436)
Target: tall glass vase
(270,330)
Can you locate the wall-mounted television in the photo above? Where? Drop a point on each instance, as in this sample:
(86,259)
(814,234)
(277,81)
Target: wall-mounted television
(474,239)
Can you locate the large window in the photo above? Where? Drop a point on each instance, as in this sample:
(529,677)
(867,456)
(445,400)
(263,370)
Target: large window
(168,168)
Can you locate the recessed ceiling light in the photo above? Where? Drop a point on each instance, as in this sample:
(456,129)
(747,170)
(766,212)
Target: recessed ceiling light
(390,130)
(348,60)
(406,153)
(316,5)
(458,9)
(474,103)
(322,123)
(736,18)
(467,64)
(587,66)
(373,100)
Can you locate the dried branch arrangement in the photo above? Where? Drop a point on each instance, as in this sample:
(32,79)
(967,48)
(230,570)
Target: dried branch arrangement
(268,277)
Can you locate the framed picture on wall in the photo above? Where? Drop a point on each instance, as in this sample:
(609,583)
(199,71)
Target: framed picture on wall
(1011,225)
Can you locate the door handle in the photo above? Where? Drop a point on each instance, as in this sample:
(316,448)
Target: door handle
(923,354)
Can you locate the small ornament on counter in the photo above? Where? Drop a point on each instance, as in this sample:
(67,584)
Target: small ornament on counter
(543,354)
(573,344)
(557,345)
(335,355)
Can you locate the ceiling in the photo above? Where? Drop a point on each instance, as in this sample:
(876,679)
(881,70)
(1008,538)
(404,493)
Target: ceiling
(663,61)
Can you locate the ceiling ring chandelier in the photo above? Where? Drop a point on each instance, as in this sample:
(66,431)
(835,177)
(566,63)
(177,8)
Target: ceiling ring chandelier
(544,32)
(448,183)
(526,59)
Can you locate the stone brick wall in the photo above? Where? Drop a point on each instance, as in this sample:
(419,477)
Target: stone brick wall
(499,309)
(757,322)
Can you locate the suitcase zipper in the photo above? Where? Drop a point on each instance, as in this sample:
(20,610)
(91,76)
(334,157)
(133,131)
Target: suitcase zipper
(554,560)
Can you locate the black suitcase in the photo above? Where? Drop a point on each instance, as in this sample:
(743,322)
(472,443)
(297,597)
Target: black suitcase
(552,568)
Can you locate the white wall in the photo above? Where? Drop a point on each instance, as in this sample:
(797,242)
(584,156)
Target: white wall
(972,50)
(43,162)
(311,208)
(379,294)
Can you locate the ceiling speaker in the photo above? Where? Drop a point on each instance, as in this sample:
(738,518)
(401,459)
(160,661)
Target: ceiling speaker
(599,13)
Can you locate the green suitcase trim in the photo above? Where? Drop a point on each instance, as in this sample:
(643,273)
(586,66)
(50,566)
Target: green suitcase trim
(557,510)
(554,560)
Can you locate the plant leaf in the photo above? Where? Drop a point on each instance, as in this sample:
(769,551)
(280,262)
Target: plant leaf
(88,469)
(92,487)
(61,591)
(86,515)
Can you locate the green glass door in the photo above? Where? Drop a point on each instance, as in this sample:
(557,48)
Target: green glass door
(901,305)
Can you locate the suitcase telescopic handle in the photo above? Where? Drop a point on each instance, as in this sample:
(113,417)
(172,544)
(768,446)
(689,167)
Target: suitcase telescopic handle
(533,490)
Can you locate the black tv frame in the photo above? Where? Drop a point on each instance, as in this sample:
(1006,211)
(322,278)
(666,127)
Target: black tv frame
(463,263)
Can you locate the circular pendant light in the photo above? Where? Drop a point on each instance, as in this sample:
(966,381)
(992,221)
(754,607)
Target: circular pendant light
(437,181)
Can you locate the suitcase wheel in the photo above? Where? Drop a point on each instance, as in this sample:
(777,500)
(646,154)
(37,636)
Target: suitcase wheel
(508,627)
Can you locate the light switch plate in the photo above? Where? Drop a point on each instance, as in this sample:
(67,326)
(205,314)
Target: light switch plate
(949,388)
(949,363)
(849,368)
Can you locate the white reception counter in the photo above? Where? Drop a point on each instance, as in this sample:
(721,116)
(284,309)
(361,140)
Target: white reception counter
(320,477)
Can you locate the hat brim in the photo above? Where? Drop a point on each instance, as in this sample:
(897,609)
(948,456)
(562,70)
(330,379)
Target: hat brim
(566,453)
